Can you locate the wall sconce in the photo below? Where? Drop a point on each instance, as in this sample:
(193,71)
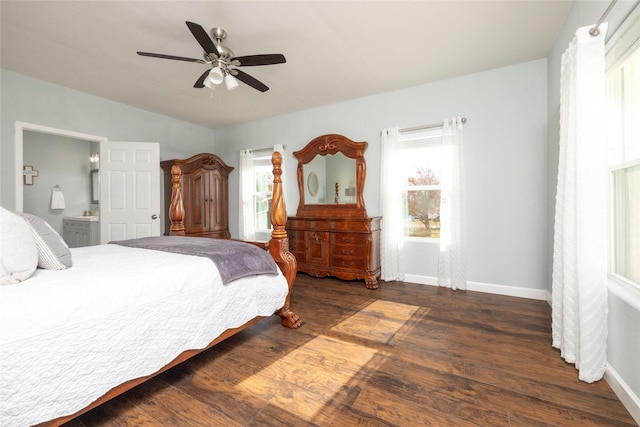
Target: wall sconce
(94,159)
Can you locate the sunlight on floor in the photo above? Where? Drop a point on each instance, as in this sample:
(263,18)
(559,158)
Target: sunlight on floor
(330,361)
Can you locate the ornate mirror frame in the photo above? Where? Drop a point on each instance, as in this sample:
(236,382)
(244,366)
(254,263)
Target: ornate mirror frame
(332,144)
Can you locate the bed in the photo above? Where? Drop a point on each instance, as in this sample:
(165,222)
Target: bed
(72,338)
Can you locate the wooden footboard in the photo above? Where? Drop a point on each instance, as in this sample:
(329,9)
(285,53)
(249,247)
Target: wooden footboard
(278,247)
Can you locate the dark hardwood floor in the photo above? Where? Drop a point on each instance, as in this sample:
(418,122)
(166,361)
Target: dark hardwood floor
(404,354)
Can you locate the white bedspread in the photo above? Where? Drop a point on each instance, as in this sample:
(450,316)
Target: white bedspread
(67,337)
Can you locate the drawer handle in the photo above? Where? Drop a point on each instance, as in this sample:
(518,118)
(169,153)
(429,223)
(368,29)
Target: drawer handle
(347,264)
(346,252)
(347,239)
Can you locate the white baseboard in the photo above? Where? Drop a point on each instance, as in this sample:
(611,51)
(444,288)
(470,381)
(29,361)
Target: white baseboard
(513,291)
(624,392)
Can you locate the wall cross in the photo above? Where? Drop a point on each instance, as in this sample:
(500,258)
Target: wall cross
(29,173)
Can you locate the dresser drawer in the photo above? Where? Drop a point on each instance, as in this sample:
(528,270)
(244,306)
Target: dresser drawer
(296,243)
(76,225)
(347,250)
(295,224)
(351,225)
(349,239)
(347,263)
(295,236)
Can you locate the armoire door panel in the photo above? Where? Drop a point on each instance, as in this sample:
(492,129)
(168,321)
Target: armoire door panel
(195,217)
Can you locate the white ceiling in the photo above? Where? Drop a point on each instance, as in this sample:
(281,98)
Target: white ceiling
(335,50)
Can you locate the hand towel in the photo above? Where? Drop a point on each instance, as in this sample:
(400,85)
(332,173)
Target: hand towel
(57,199)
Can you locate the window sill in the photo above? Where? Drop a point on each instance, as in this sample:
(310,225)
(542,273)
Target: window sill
(624,289)
(422,240)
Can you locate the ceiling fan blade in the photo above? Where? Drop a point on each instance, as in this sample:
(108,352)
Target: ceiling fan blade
(251,81)
(200,82)
(203,38)
(252,60)
(163,56)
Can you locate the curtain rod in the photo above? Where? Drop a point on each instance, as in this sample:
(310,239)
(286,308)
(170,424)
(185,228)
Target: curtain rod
(284,147)
(595,31)
(433,125)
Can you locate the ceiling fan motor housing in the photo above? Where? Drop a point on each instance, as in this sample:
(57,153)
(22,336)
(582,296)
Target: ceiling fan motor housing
(224,53)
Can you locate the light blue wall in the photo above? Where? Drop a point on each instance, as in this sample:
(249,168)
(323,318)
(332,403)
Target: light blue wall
(505,140)
(60,161)
(41,103)
(623,346)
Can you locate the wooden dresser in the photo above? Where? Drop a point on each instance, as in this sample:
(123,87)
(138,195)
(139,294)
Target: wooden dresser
(205,194)
(331,234)
(344,248)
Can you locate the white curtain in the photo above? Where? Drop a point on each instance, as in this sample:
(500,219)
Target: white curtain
(391,186)
(579,292)
(246,226)
(452,266)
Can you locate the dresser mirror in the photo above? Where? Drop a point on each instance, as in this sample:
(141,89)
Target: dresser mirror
(331,173)
(323,173)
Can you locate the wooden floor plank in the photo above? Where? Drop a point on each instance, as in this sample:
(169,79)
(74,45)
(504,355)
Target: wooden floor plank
(402,355)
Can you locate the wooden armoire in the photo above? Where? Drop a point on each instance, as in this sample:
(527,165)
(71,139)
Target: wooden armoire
(205,193)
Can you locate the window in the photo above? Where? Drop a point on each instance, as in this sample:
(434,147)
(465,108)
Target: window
(623,130)
(421,155)
(263,187)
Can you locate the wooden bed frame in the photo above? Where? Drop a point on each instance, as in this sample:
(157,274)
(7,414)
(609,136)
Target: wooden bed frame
(278,248)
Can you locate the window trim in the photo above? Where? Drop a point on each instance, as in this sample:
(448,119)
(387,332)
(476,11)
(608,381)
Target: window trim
(622,44)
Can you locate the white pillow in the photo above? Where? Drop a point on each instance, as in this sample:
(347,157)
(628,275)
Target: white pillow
(53,252)
(18,252)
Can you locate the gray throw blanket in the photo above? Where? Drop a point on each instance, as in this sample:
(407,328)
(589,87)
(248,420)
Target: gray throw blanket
(234,259)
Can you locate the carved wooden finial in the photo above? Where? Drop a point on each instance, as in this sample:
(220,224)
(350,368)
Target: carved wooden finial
(278,210)
(176,210)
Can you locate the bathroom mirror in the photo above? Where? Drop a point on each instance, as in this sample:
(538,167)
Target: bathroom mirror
(95,186)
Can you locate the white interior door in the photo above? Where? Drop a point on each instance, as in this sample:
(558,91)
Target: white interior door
(130,190)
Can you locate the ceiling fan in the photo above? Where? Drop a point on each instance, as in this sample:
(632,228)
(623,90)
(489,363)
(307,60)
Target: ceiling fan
(222,61)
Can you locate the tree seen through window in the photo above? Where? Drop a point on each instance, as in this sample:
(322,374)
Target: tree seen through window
(423,203)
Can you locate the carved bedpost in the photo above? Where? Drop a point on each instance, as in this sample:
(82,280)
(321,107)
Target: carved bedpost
(176,210)
(279,243)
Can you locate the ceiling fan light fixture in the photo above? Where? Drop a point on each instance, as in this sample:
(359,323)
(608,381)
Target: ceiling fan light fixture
(208,83)
(216,76)
(231,82)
